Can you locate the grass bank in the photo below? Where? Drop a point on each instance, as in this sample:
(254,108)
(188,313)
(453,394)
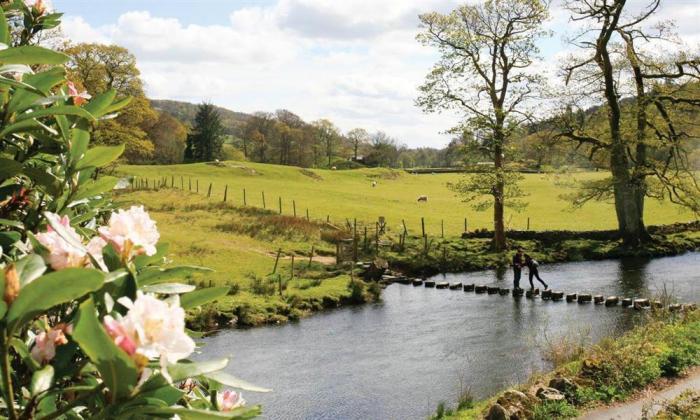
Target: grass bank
(349,194)
(613,370)
(241,244)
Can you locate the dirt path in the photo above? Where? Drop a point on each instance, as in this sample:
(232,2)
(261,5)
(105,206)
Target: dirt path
(633,410)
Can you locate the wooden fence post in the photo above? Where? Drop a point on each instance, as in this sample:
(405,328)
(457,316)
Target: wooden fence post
(311,257)
(465,224)
(280,203)
(442,228)
(172,181)
(364,242)
(277,259)
(294,207)
(422,225)
(528,223)
(190,181)
(225,192)
(209,190)
(245,202)
(263,197)
(197,191)
(376,237)
(354,241)
(405,231)
(182,183)
(292,271)
(308,219)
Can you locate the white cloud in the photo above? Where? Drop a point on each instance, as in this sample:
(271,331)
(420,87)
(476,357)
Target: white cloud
(354,62)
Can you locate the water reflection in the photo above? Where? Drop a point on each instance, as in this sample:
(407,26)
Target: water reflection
(399,358)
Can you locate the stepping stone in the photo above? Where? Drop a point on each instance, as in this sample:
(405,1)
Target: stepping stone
(492,290)
(627,302)
(612,301)
(455,286)
(403,280)
(537,291)
(657,304)
(689,307)
(469,287)
(442,285)
(517,292)
(530,294)
(417,282)
(429,283)
(571,297)
(599,299)
(389,278)
(557,295)
(546,294)
(503,291)
(585,298)
(641,303)
(674,307)
(480,288)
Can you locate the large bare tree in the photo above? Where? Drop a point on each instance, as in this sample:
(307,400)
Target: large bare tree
(646,97)
(484,72)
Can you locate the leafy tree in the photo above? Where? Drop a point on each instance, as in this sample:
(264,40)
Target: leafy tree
(99,68)
(645,140)
(205,141)
(169,137)
(486,50)
(358,137)
(327,137)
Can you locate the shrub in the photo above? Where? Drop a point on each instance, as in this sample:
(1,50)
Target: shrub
(551,410)
(85,328)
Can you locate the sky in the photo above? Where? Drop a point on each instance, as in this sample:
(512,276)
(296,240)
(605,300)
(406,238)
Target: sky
(355,62)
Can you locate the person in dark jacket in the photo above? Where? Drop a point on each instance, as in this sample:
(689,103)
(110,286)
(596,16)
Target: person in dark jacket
(532,265)
(518,263)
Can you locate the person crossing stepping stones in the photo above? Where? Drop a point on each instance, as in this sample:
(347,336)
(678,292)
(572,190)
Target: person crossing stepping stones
(532,265)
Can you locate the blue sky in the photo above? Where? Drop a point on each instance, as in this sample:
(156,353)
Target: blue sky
(355,62)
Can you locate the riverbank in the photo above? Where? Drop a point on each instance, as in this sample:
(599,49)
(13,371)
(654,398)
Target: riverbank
(665,346)
(281,268)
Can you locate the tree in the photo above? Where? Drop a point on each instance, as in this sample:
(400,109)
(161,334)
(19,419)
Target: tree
(327,135)
(644,137)
(169,137)
(205,141)
(357,138)
(384,151)
(99,68)
(486,50)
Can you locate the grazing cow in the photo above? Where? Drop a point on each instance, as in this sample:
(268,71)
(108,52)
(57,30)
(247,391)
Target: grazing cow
(423,198)
(374,184)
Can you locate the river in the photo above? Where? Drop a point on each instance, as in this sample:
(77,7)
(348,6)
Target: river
(397,359)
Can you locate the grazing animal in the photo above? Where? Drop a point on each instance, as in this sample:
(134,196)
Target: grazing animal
(333,168)
(423,198)
(374,184)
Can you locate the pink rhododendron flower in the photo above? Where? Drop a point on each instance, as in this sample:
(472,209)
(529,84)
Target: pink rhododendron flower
(70,252)
(45,343)
(152,328)
(79,98)
(62,254)
(132,232)
(121,337)
(229,400)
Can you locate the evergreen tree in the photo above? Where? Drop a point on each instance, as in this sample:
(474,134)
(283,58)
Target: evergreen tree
(205,142)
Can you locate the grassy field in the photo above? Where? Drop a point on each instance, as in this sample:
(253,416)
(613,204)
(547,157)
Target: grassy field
(349,194)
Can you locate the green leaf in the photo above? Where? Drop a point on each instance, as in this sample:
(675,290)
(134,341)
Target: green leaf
(41,380)
(169,288)
(8,168)
(160,275)
(242,413)
(117,369)
(229,380)
(4,29)
(78,144)
(42,83)
(99,104)
(158,387)
(43,178)
(200,297)
(7,239)
(5,81)
(32,54)
(57,110)
(144,260)
(12,223)
(93,188)
(100,156)
(116,106)
(50,290)
(181,371)
(21,127)
(29,268)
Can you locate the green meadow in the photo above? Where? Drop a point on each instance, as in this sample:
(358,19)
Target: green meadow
(349,194)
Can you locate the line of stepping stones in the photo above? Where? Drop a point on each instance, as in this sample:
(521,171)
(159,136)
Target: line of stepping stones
(554,295)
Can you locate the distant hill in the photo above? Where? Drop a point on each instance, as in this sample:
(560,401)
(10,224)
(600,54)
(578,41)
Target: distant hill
(185,112)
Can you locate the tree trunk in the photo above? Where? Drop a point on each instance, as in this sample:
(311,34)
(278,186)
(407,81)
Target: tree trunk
(499,229)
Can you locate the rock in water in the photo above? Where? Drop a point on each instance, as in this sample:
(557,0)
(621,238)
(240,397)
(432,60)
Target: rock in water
(376,269)
(564,385)
(517,405)
(497,412)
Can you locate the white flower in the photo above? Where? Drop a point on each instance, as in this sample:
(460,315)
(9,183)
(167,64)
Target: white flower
(157,327)
(68,250)
(62,253)
(229,400)
(131,232)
